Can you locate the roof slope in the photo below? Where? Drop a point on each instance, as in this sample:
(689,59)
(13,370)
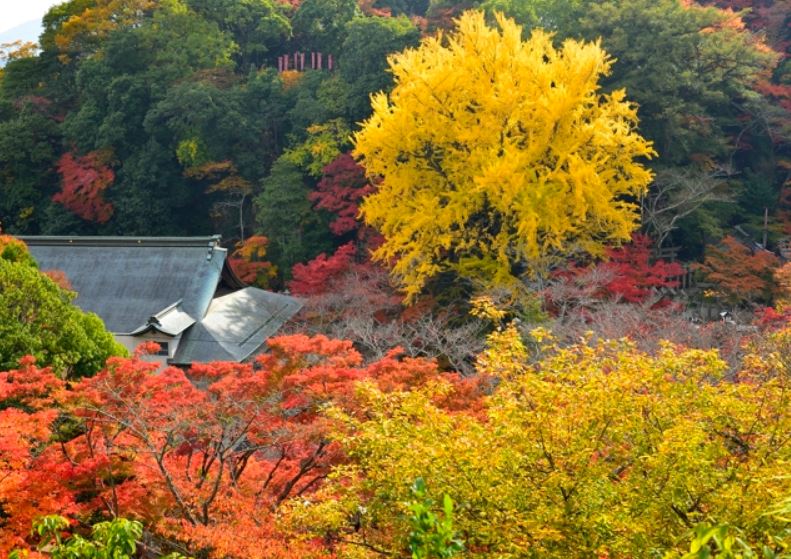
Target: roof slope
(235,326)
(127,280)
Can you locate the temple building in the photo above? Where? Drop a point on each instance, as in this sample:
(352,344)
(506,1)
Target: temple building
(177,291)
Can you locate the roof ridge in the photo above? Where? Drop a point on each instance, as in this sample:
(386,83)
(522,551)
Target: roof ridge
(43,240)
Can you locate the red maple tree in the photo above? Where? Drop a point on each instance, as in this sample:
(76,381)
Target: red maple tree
(340,191)
(630,274)
(84,181)
(318,275)
(635,273)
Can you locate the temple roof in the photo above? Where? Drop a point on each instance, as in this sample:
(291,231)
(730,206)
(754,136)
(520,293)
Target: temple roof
(168,284)
(235,326)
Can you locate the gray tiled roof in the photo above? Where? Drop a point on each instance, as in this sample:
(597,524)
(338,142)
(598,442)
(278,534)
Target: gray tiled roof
(168,284)
(127,280)
(235,326)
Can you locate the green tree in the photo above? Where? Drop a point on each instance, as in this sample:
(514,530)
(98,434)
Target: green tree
(286,217)
(37,318)
(363,57)
(691,70)
(257,26)
(320,25)
(113,539)
(316,97)
(432,535)
(552,15)
(29,143)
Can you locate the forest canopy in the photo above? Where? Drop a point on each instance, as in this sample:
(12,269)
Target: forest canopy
(175,117)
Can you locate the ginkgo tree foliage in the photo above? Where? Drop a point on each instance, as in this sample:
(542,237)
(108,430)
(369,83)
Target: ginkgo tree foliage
(497,155)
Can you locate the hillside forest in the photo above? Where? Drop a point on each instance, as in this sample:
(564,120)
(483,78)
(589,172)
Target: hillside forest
(543,249)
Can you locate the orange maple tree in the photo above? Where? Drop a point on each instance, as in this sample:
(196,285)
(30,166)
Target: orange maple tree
(29,401)
(203,457)
(741,275)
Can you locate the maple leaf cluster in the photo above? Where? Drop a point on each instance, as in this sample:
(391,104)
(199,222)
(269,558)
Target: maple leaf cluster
(318,275)
(249,262)
(740,274)
(636,274)
(340,191)
(84,181)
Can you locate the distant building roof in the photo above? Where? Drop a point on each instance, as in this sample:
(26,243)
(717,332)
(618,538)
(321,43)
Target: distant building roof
(168,284)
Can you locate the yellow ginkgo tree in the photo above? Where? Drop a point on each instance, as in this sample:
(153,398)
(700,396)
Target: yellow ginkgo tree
(497,155)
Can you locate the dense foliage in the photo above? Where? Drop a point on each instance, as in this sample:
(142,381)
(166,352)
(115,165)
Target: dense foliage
(503,171)
(548,451)
(180,116)
(593,450)
(497,154)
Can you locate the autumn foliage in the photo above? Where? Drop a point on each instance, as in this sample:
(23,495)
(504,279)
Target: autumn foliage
(594,450)
(782,278)
(84,181)
(14,250)
(636,273)
(498,154)
(248,261)
(29,397)
(740,274)
(340,191)
(491,154)
(629,273)
(203,457)
(80,34)
(318,275)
